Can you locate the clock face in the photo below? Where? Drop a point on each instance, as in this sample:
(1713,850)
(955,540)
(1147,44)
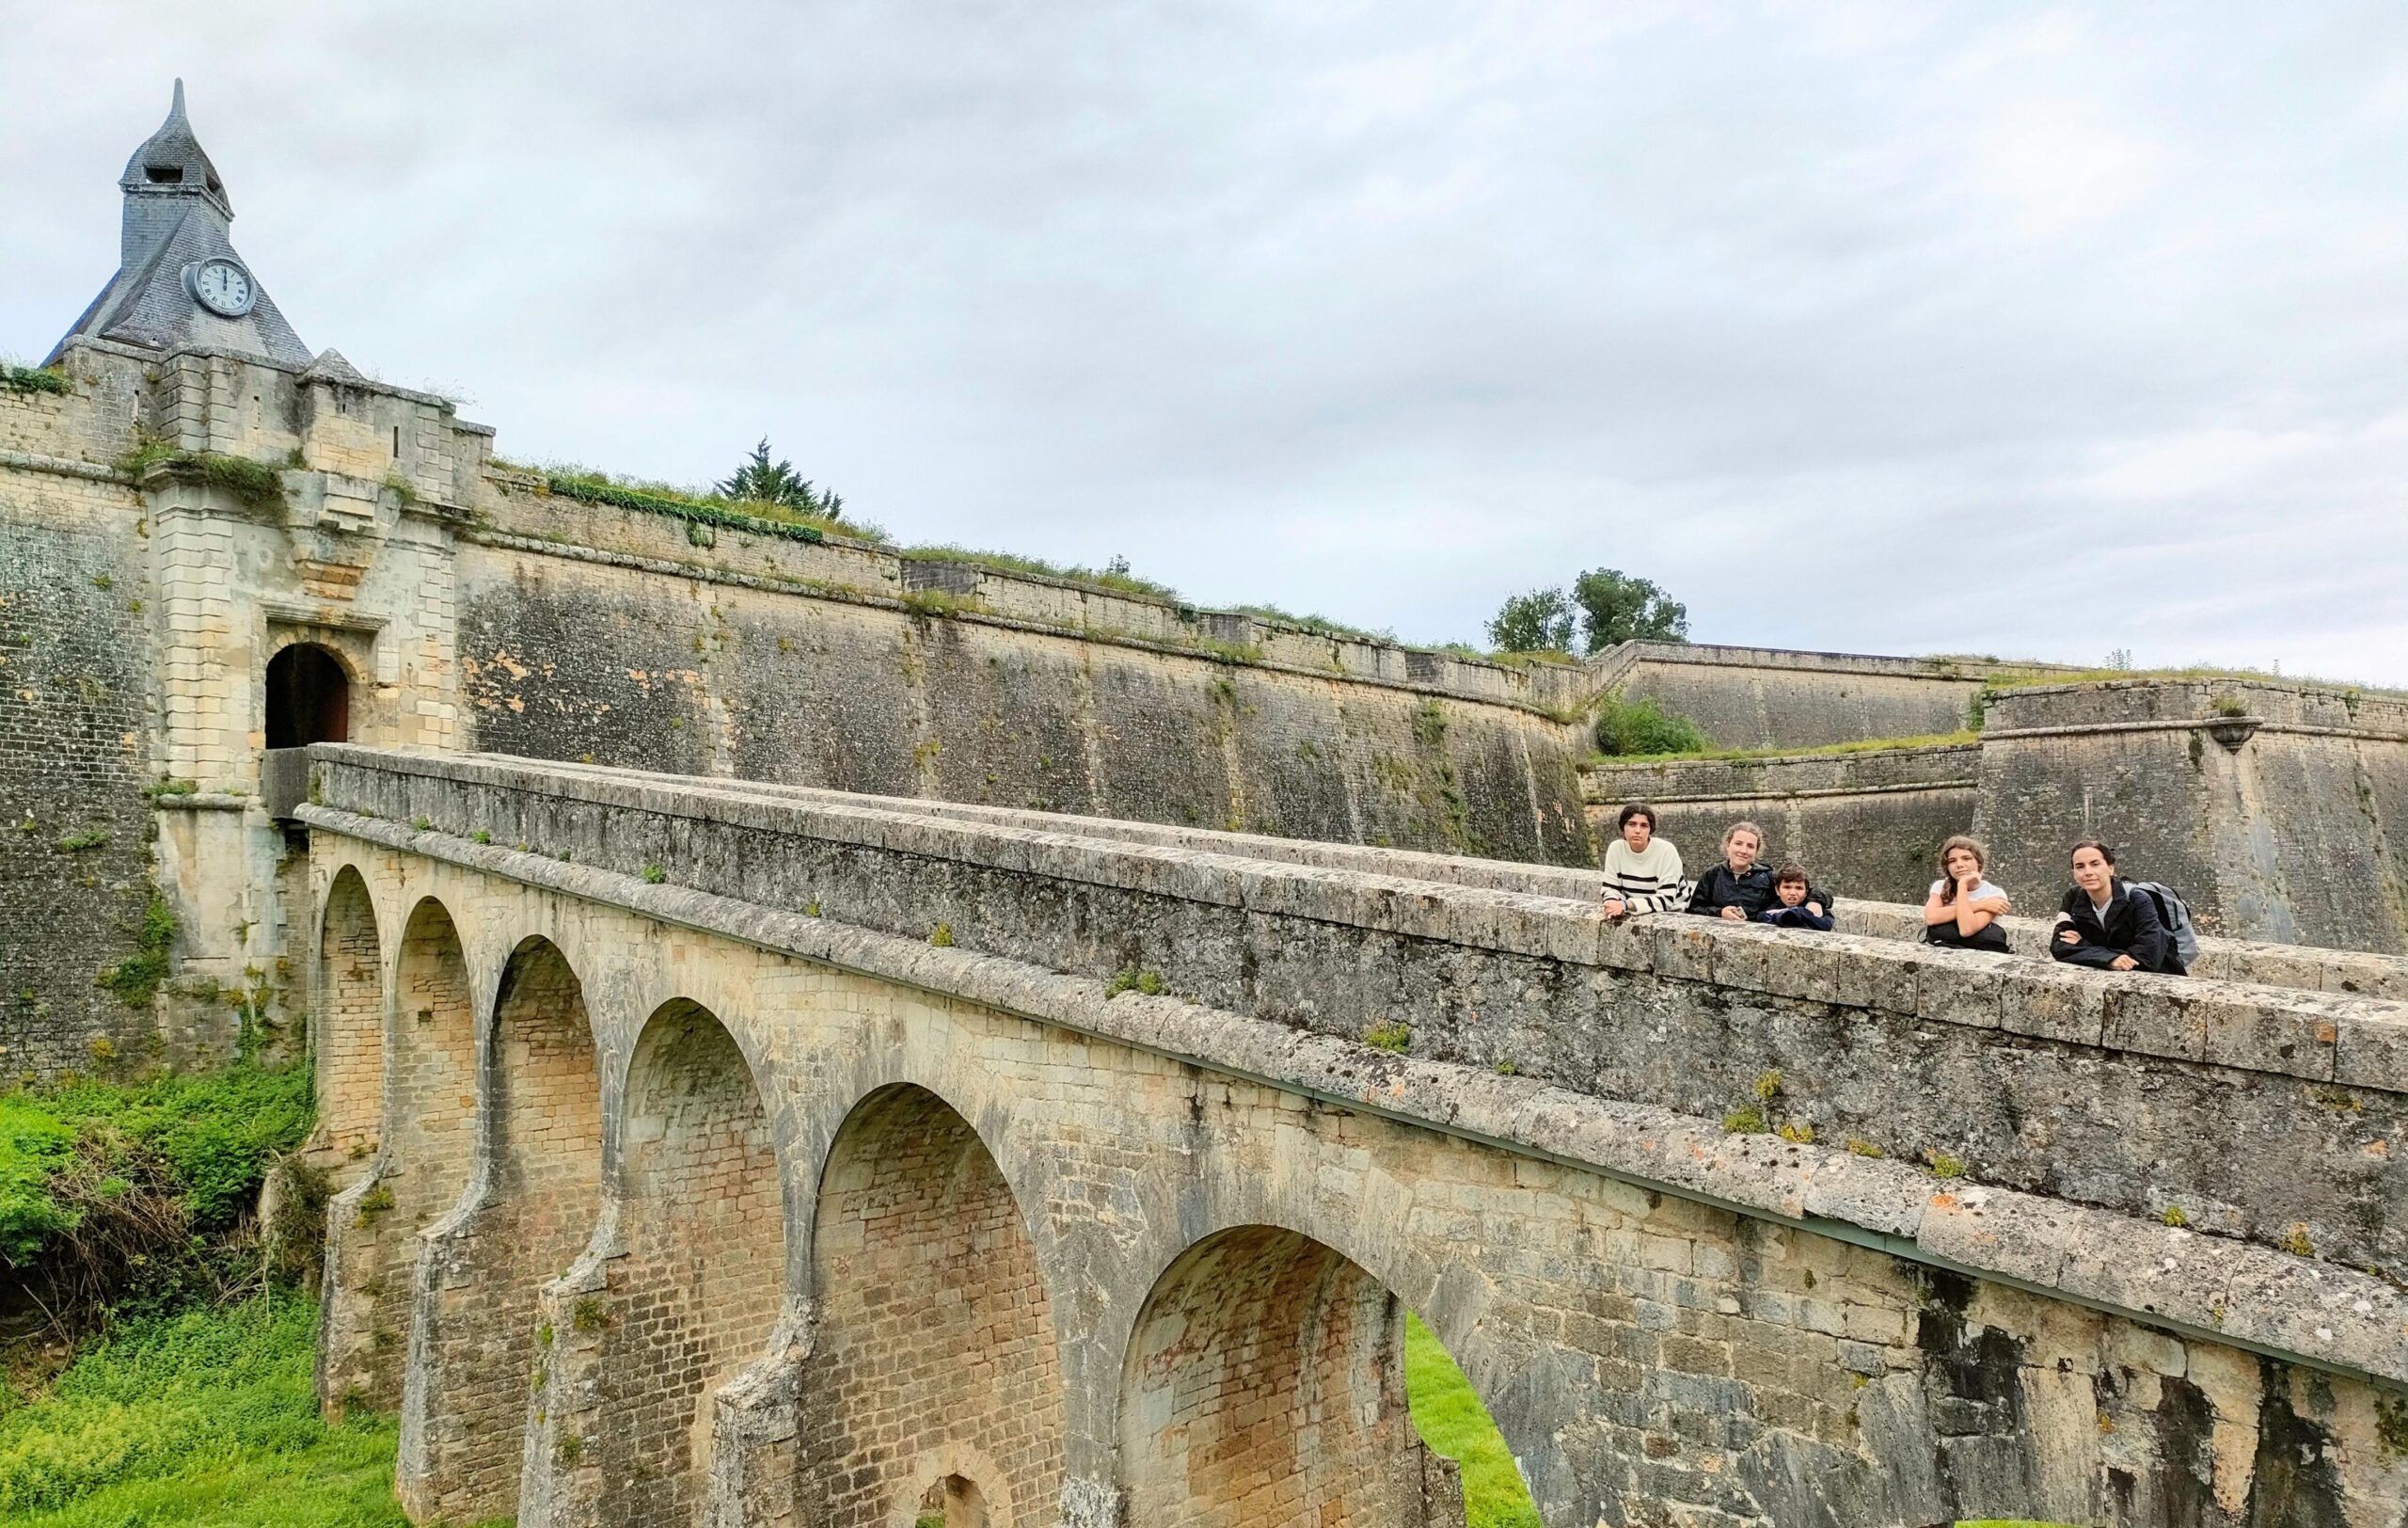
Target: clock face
(223,287)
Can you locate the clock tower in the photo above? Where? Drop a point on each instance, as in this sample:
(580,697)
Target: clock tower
(179,285)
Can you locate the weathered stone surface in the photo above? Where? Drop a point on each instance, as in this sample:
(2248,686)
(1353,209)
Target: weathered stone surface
(1688,1347)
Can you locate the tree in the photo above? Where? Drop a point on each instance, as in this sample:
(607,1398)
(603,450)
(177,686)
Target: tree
(1616,607)
(761,481)
(1537,622)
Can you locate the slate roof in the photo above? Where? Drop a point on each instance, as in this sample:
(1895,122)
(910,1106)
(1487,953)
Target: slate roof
(177,213)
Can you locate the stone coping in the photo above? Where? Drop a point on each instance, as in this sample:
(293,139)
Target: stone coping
(2223,1290)
(1726,655)
(2305,968)
(2315,1035)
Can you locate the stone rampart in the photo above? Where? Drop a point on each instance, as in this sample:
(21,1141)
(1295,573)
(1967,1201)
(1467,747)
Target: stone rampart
(2281,812)
(1759,697)
(80,693)
(1665,1316)
(600,633)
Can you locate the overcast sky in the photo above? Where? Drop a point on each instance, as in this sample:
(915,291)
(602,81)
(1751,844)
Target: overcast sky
(1886,328)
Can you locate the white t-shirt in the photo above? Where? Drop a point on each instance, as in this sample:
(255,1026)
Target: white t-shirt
(1982,890)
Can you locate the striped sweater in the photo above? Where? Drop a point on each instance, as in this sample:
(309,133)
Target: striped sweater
(1649,881)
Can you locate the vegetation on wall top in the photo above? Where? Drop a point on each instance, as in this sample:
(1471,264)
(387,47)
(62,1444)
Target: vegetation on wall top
(1115,575)
(255,484)
(1605,606)
(32,379)
(761,481)
(1640,727)
(752,516)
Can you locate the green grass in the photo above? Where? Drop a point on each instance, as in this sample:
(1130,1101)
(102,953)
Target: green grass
(1861,745)
(2024,680)
(1113,579)
(203,1137)
(1451,1420)
(201,1419)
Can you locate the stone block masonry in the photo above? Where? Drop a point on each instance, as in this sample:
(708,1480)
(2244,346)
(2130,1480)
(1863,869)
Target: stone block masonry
(2280,811)
(1758,697)
(1671,1322)
(1912,1051)
(79,697)
(657,660)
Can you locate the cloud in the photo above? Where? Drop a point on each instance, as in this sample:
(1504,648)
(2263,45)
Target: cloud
(1933,328)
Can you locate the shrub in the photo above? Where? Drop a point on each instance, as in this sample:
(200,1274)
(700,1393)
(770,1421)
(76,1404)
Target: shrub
(1130,979)
(135,978)
(1632,728)
(1397,1037)
(117,1198)
(31,379)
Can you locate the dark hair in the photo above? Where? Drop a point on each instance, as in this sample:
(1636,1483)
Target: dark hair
(2104,852)
(1792,871)
(1637,808)
(1981,863)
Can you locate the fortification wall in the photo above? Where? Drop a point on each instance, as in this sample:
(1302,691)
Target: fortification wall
(592,632)
(79,696)
(1866,825)
(1760,697)
(2280,812)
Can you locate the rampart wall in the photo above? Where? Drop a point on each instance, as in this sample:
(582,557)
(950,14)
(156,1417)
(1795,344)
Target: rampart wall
(2281,812)
(1759,697)
(596,633)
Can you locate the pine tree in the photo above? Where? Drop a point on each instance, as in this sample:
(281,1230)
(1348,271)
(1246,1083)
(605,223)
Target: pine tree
(762,481)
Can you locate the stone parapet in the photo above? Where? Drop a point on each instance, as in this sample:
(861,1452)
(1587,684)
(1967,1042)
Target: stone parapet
(2223,1289)
(2199,1101)
(522,513)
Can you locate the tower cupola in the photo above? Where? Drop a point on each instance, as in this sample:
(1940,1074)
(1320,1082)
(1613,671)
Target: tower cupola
(179,285)
(166,176)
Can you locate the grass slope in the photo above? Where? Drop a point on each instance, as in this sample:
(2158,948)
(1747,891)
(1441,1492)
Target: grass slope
(200,1419)
(1452,1422)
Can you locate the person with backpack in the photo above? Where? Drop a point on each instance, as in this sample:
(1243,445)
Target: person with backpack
(1964,907)
(1740,888)
(2110,923)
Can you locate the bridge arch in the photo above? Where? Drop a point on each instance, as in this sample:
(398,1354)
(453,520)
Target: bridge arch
(934,1385)
(528,1211)
(423,1165)
(695,1276)
(350,1038)
(1263,1386)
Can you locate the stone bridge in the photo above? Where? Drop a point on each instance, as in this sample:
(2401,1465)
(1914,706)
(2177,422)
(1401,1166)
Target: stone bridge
(730,1153)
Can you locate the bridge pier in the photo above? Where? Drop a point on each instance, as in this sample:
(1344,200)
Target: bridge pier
(528,1211)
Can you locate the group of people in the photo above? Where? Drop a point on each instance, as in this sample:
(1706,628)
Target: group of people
(2104,921)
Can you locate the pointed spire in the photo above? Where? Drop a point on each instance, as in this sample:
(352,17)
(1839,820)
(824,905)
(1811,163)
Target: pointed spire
(171,160)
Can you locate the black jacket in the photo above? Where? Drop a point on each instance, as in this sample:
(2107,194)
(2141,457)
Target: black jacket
(1719,888)
(2130,927)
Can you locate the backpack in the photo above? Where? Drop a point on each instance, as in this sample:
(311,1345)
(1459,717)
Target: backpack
(2174,914)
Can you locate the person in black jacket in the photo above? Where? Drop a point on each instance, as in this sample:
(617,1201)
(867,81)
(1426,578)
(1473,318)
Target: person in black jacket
(1740,888)
(1797,902)
(2107,925)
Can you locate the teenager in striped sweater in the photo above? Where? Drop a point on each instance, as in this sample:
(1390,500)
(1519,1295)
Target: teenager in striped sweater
(1642,871)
